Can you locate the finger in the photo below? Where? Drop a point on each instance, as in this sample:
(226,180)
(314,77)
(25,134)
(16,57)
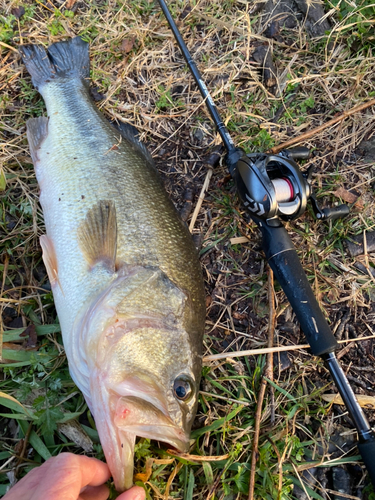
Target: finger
(24,488)
(61,477)
(94,493)
(80,469)
(135,493)
(93,471)
(67,475)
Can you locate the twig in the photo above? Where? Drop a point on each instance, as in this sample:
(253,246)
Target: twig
(254,453)
(316,130)
(8,46)
(7,462)
(24,446)
(266,350)
(201,198)
(254,352)
(271,332)
(267,372)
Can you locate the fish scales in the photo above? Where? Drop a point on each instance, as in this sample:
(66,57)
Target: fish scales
(85,158)
(126,279)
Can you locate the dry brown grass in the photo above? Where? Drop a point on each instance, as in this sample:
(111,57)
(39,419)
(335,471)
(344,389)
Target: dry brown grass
(140,72)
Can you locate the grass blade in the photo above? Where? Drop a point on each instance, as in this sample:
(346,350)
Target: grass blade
(36,442)
(13,404)
(216,425)
(190,488)
(14,335)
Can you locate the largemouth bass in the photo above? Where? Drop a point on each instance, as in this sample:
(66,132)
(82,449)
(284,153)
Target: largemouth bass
(125,275)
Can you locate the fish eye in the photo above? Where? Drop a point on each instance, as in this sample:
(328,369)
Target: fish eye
(182,388)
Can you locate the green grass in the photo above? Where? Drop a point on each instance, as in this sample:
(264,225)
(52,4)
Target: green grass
(37,376)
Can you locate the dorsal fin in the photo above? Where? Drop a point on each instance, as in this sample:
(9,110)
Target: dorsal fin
(131,134)
(97,234)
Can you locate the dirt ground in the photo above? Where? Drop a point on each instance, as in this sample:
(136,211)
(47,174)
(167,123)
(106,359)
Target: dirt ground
(276,72)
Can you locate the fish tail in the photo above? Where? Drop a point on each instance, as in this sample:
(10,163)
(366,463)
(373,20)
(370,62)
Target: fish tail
(67,59)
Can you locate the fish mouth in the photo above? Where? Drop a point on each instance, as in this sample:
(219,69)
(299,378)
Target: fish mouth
(121,419)
(127,417)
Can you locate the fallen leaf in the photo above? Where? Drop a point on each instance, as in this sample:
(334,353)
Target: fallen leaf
(127,45)
(144,477)
(333,295)
(13,346)
(73,431)
(362,400)
(18,12)
(33,338)
(163,461)
(30,332)
(237,315)
(345,195)
(69,4)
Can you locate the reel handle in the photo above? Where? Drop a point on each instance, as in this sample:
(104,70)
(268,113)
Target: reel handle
(283,260)
(334,213)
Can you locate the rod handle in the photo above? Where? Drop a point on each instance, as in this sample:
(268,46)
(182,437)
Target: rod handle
(283,260)
(367,450)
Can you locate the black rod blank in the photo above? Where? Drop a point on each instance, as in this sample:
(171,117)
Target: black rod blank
(355,411)
(221,128)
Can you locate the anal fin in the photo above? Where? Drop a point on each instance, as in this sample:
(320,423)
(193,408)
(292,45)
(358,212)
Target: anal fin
(97,235)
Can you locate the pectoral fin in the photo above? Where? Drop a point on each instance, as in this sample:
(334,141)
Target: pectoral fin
(97,235)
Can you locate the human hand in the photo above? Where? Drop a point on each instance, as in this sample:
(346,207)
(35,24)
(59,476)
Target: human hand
(69,477)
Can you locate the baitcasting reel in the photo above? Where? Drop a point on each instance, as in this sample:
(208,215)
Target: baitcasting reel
(273,186)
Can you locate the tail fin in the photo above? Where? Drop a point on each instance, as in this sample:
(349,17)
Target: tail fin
(68,59)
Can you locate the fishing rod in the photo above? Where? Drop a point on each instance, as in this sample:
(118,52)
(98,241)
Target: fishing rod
(273,189)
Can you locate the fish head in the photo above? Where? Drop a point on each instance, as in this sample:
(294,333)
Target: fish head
(144,381)
(148,388)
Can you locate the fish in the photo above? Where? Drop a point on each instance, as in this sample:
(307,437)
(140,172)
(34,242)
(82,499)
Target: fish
(125,274)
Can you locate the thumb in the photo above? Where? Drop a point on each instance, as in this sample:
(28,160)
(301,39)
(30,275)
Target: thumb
(135,493)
